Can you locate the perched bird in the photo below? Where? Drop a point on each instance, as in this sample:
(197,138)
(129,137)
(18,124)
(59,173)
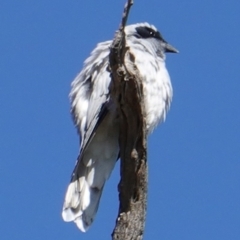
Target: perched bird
(96,118)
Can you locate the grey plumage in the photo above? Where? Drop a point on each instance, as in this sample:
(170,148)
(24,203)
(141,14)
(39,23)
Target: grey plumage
(96,119)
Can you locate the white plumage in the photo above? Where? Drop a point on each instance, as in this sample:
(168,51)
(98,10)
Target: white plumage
(96,119)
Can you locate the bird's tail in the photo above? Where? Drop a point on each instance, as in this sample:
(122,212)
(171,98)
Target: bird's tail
(84,193)
(82,198)
(93,168)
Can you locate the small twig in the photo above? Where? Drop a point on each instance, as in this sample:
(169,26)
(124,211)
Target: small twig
(126,13)
(119,44)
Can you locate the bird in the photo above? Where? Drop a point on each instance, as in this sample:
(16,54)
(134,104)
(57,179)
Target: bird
(96,119)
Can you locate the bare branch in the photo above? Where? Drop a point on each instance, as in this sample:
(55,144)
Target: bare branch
(126,12)
(127,91)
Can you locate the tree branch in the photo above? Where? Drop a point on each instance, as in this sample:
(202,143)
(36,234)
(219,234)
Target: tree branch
(127,91)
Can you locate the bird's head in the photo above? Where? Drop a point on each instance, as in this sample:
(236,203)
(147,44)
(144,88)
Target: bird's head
(148,35)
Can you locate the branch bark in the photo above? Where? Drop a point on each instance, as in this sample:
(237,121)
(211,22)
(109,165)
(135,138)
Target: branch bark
(127,92)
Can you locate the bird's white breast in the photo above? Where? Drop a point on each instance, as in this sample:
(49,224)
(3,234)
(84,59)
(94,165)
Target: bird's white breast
(157,86)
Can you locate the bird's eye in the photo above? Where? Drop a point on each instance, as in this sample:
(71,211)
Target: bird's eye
(145,32)
(152,33)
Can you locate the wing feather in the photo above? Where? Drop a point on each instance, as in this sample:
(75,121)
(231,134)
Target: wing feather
(90,94)
(95,119)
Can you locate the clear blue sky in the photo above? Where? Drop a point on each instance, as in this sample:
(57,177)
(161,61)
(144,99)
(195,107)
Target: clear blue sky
(194,157)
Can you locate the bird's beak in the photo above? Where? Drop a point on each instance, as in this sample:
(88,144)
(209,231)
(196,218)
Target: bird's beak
(170,48)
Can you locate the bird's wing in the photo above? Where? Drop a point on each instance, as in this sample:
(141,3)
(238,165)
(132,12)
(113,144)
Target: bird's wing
(97,126)
(89,94)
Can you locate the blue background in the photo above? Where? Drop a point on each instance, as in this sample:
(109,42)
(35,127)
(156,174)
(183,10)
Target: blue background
(194,157)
